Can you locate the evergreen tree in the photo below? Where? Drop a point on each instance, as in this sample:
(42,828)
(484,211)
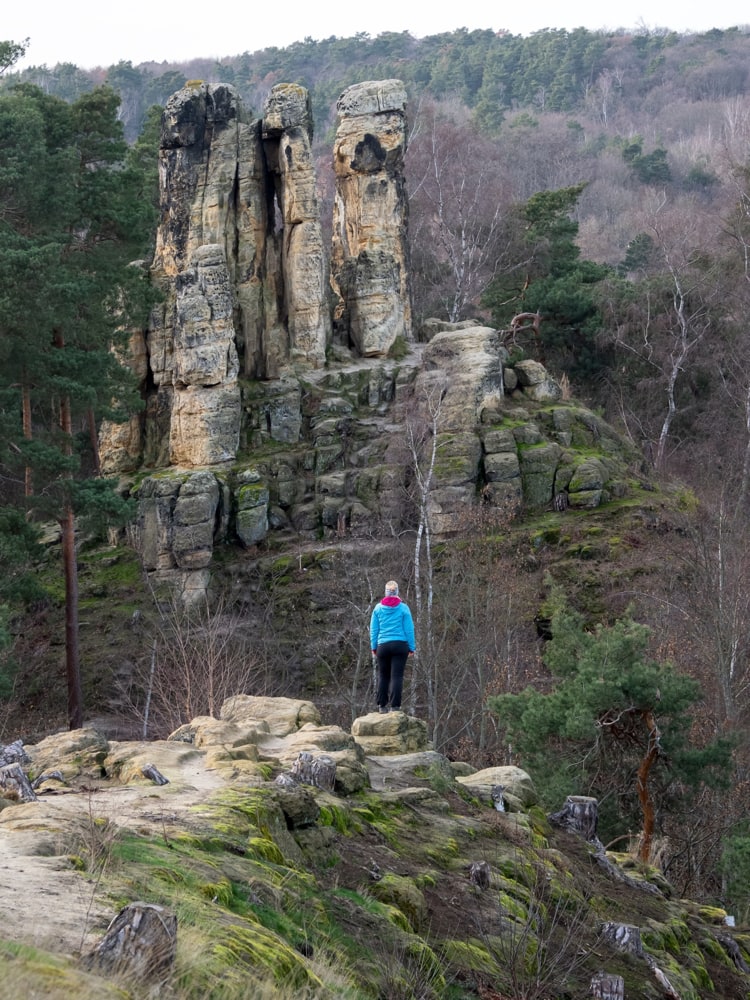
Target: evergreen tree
(613,715)
(553,280)
(73,216)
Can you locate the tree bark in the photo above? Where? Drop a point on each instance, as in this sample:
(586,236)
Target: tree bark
(27,433)
(579,814)
(141,941)
(644,792)
(72,647)
(14,783)
(70,569)
(607,987)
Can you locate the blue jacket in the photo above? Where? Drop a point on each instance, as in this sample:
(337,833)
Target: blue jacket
(391,622)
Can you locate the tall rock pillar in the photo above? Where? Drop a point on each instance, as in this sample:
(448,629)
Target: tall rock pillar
(287,138)
(207,210)
(369,264)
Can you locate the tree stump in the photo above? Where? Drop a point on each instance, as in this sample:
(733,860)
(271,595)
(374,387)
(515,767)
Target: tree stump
(15,785)
(479,874)
(607,987)
(624,937)
(13,753)
(318,771)
(579,814)
(141,941)
(153,773)
(497,794)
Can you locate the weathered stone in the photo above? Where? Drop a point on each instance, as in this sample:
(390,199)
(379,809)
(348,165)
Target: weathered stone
(536,382)
(502,467)
(177,520)
(431,327)
(517,784)
(251,497)
(588,475)
(298,805)
(287,138)
(125,761)
(282,715)
(205,731)
(392,733)
(538,467)
(369,265)
(74,753)
(205,423)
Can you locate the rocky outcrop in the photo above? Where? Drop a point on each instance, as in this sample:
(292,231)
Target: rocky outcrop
(370,256)
(255,419)
(397,853)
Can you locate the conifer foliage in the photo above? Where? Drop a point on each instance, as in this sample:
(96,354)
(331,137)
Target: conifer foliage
(72,216)
(613,711)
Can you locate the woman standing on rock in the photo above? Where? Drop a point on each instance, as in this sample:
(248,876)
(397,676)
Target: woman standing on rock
(391,641)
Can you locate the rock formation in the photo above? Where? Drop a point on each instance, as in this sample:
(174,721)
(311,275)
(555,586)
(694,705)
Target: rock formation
(370,253)
(248,428)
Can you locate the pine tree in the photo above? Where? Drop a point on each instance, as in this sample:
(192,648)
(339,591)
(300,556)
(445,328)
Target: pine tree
(614,715)
(73,215)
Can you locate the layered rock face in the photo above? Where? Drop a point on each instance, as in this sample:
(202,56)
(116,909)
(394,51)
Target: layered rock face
(369,265)
(247,426)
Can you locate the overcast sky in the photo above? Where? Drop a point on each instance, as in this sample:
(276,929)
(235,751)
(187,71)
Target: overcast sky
(93,32)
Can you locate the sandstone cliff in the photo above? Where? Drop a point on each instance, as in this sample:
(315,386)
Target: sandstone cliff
(274,405)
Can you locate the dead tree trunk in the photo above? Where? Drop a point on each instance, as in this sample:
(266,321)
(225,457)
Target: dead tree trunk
(15,785)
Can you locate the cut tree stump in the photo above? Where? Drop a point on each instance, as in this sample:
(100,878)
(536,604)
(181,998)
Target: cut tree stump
(13,753)
(15,785)
(153,773)
(607,987)
(141,941)
(624,937)
(579,814)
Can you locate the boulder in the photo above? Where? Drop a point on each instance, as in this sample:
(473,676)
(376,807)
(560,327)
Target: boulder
(287,141)
(79,752)
(391,733)
(282,715)
(536,382)
(518,788)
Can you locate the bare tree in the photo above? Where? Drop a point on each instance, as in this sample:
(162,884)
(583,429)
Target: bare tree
(664,324)
(422,444)
(457,197)
(199,657)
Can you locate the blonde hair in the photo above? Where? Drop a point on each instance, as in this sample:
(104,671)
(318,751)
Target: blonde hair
(391,588)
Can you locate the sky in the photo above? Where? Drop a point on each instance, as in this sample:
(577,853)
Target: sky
(96,33)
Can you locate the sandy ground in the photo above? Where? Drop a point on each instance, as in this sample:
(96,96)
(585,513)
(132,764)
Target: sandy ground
(44,901)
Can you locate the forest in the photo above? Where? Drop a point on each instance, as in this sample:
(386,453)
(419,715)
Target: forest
(597,181)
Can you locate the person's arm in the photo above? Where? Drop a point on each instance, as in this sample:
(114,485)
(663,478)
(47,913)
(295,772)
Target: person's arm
(409,629)
(374,628)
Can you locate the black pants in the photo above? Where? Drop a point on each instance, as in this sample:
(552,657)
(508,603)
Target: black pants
(391,662)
